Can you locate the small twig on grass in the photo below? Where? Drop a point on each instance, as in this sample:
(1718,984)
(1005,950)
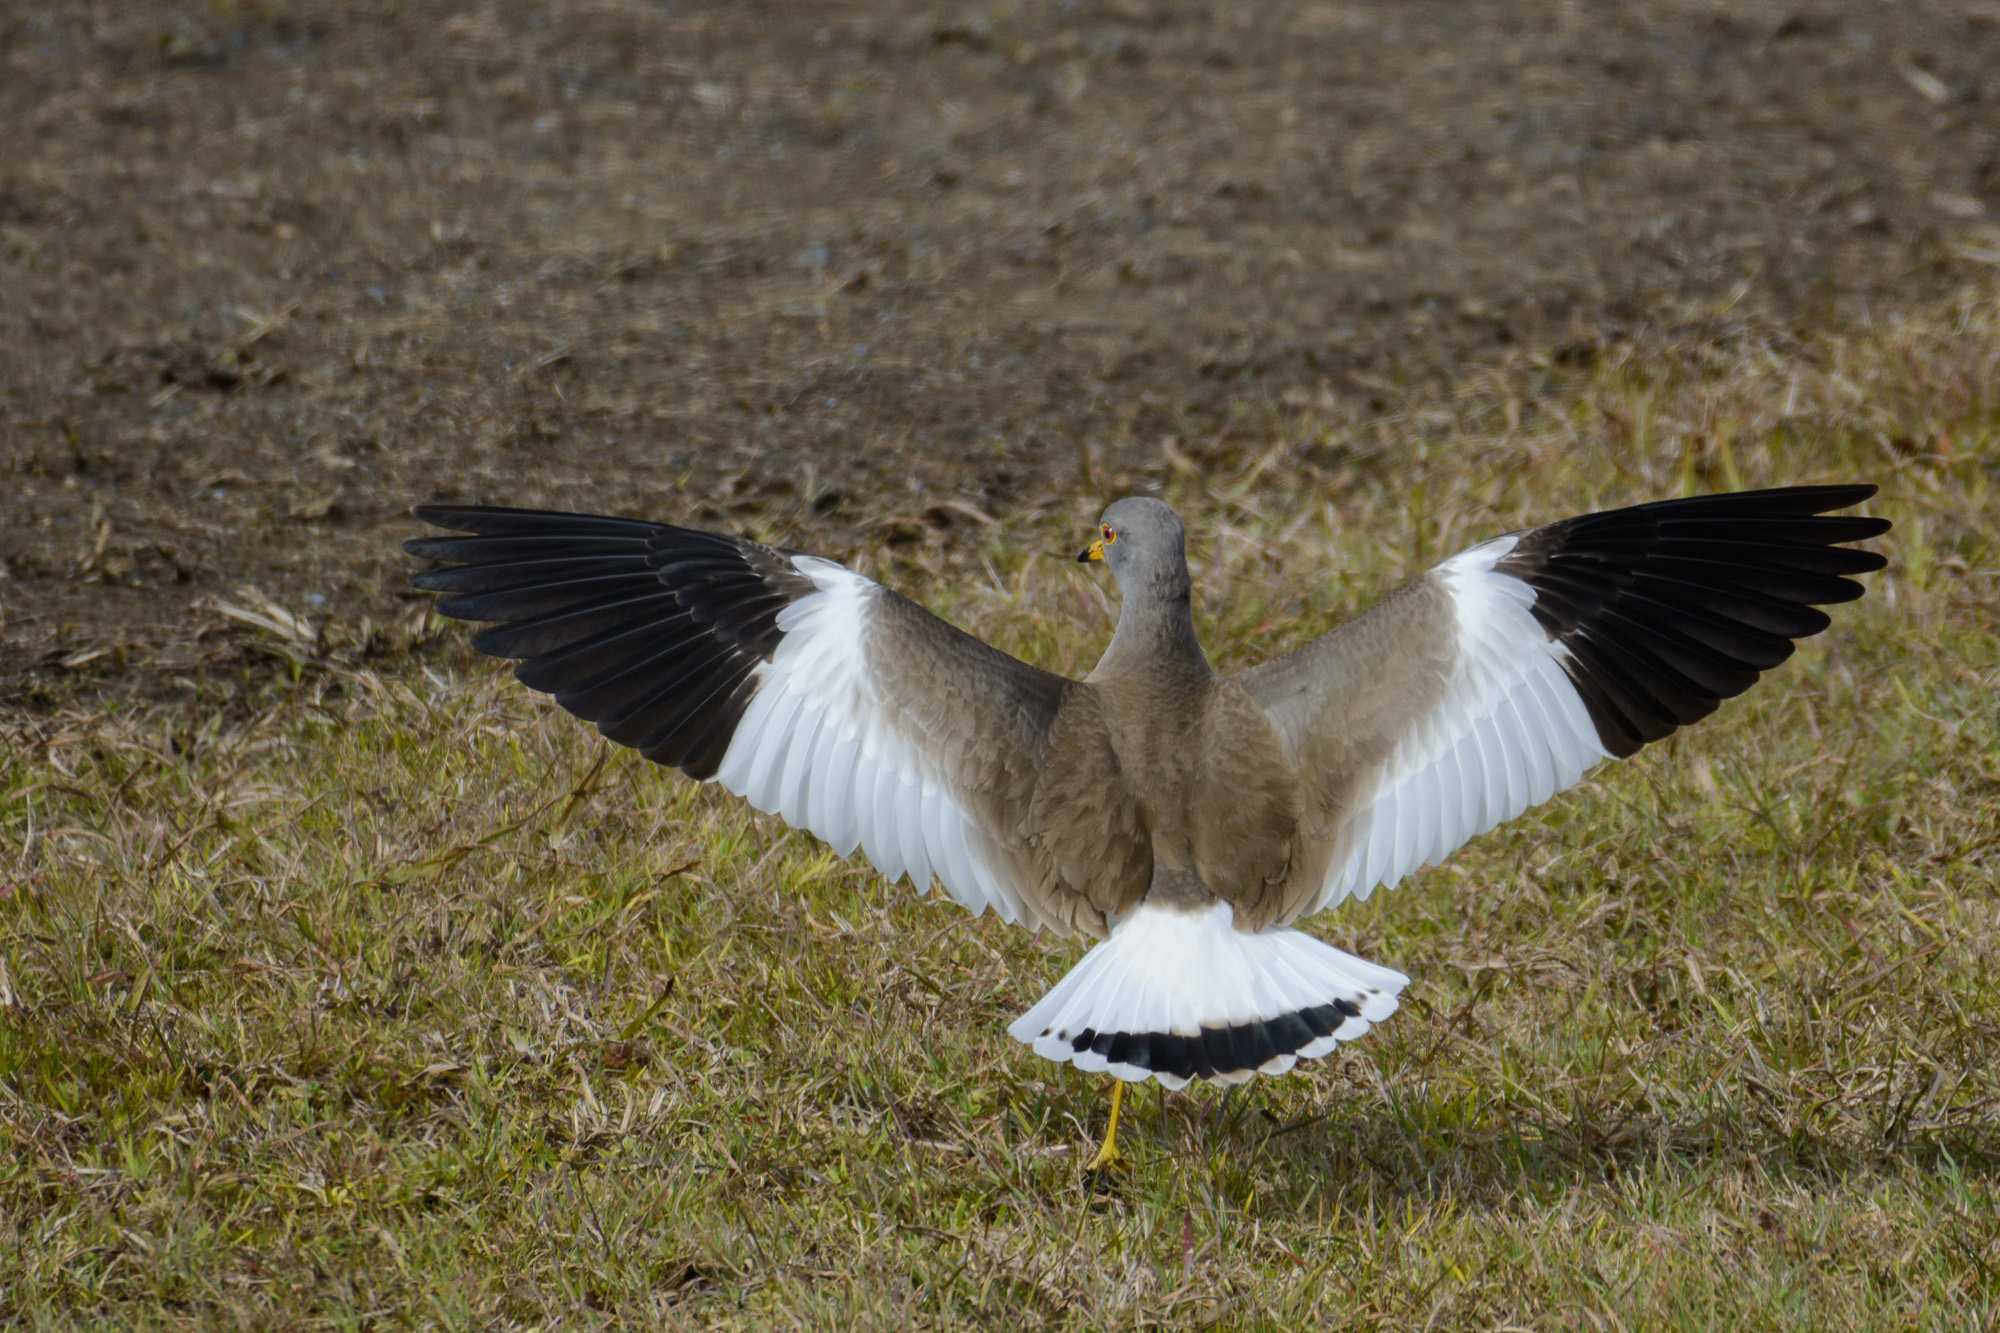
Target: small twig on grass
(632,1028)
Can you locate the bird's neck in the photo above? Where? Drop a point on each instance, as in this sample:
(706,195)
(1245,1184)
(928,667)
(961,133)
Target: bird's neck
(1155,633)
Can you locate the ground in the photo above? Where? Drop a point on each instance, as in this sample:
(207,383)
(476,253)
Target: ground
(342,981)
(275,271)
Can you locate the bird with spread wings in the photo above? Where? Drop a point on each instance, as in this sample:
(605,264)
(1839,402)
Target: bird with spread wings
(1184,819)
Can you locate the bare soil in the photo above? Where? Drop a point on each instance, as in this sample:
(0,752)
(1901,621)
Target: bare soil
(272,272)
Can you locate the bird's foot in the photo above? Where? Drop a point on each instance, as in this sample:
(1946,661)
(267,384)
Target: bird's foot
(1108,1157)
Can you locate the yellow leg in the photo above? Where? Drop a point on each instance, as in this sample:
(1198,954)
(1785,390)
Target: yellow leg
(1108,1156)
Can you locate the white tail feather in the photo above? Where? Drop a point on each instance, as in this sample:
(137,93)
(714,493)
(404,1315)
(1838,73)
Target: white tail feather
(1176,995)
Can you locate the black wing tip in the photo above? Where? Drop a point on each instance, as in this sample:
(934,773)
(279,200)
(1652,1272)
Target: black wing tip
(472,520)
(652,632)
(493,535)
(463,518)
(427,548)
(1845,495)
(1766,502)
(1666,610)
(431,580)
(1835,495)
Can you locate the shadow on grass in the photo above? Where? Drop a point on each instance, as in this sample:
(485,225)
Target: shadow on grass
(1407,1150)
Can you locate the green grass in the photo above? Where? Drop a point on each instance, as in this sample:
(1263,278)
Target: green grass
(401,998)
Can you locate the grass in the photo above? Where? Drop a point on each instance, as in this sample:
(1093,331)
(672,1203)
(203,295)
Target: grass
(400,998)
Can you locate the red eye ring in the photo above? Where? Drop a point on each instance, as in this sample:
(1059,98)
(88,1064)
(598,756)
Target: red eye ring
(1108,532)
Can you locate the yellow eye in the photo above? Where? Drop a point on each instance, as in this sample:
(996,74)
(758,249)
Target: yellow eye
(1109,533)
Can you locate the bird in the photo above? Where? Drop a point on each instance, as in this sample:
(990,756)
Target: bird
(1183,820)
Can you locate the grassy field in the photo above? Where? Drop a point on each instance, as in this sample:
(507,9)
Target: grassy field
(399,998)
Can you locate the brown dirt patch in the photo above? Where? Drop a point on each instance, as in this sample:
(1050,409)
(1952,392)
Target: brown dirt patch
(272,272)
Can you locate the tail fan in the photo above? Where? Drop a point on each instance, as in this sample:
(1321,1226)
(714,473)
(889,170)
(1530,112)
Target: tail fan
(1178,995)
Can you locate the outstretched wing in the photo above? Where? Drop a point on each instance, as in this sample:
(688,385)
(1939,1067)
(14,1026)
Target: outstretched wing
(811,691)
(1501,676)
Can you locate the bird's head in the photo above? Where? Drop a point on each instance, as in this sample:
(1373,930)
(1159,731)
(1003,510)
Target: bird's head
(1141,539)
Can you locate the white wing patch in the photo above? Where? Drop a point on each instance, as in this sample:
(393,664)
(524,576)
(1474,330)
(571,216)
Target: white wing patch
(817,747)
(1510,732)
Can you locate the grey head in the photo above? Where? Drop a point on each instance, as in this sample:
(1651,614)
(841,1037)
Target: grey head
(1143,544)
